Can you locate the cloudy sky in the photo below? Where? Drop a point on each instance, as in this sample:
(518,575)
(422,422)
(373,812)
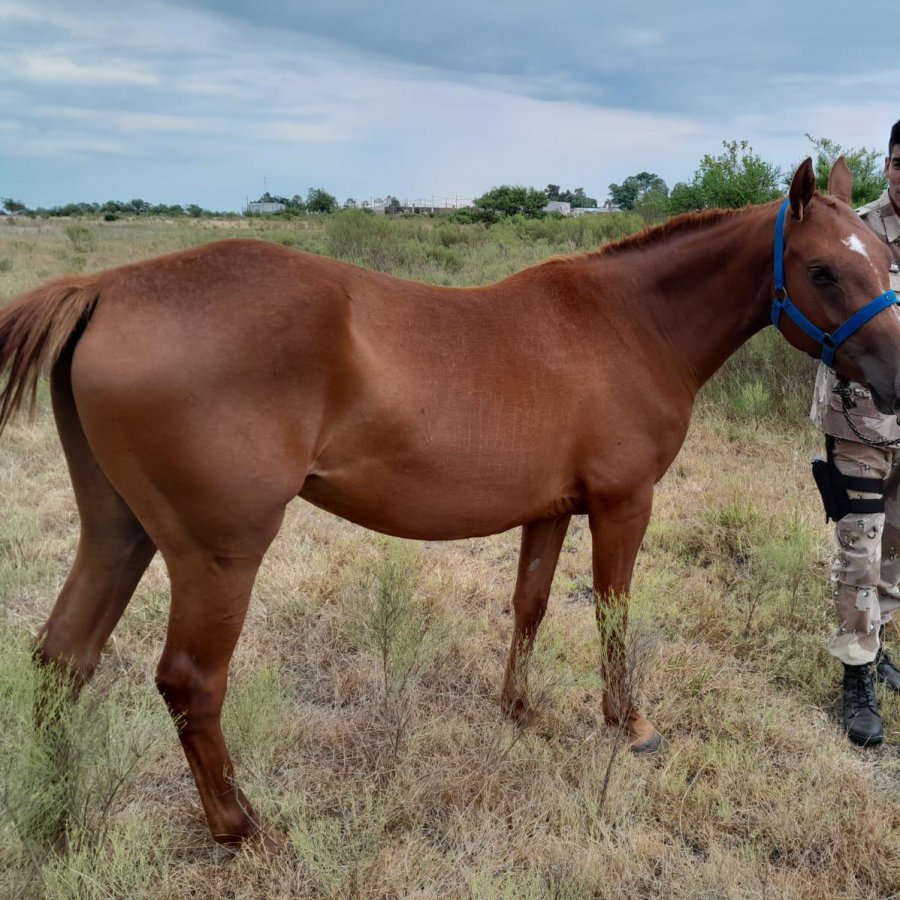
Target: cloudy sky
(210,101)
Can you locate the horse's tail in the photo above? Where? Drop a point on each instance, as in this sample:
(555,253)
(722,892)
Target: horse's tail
(33,332)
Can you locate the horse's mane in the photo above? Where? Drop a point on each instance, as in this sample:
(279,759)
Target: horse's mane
(685,223)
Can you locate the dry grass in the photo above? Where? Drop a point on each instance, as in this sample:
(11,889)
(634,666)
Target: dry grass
(756,795)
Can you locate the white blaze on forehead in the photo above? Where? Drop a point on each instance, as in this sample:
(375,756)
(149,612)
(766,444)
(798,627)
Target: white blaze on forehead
(856,245)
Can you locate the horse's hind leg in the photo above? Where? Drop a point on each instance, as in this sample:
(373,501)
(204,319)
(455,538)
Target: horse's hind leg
(210,595)
(538,555)
(113,552)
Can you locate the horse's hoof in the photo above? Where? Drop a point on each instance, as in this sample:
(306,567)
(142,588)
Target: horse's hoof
(518,711)
(268,842)
(651,745)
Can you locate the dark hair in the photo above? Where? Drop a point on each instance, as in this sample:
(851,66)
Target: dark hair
(895,138)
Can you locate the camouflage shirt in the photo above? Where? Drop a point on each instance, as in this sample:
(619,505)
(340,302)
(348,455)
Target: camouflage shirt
(881,217)
(826,411)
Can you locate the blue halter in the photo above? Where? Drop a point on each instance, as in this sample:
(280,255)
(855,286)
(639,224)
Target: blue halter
(782,303)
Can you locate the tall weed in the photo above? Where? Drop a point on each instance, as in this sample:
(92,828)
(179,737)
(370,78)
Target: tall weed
(399,632)
(363,238)
(63,771)
(257,707)
(134,863)
(81,238)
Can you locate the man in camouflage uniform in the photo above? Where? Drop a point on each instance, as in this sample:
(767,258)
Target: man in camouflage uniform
(865,569)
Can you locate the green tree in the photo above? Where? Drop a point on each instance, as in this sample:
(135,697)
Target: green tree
(319,200)
(165,209)
(14,206)
(578,198)
(735,178)
(634,188)
(508,200)
(653,205)
(867,166)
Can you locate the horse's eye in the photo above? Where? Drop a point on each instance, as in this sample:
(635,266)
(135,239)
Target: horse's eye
(821,275)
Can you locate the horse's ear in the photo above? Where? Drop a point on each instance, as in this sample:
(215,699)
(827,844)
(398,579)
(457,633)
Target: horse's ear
(803,186)
(840,180)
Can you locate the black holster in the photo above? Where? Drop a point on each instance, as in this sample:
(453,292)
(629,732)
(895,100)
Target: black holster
(833,487)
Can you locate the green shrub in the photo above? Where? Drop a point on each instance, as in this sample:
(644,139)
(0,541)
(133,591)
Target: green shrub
(752,401)
(134,862)
(67,773)
(81,238)
(256,709)
(362,238)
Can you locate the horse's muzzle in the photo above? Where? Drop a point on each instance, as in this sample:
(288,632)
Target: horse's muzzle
(887,402)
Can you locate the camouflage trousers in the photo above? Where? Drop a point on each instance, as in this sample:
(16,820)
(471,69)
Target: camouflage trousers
(865,568)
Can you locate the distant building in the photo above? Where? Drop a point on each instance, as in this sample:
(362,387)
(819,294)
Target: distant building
(558,206)
(259,207)
(594,210)
(565,208)
(418,208)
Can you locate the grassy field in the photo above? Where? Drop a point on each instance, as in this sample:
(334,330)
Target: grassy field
(363,710)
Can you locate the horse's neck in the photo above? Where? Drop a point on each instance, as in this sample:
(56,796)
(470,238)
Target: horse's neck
(705,290)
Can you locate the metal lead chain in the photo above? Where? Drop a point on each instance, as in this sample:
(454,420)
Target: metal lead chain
(843,390)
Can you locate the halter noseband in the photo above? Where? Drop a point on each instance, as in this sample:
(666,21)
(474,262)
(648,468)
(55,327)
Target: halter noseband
(782,303)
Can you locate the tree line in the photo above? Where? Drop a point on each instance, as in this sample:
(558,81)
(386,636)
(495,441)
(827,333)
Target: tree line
(736,177)
(110,210)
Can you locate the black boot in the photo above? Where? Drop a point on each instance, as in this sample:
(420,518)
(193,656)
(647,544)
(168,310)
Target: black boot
(859,708)
(886,671)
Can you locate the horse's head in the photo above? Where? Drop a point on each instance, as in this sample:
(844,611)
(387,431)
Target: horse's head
(834,267)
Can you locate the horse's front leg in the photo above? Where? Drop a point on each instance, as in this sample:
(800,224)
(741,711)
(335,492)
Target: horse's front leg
(538,555)
(617,530)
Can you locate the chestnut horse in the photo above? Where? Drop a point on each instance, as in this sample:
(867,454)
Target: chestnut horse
(196,394)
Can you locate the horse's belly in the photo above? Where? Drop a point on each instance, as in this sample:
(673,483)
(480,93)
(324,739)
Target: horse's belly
(432,508)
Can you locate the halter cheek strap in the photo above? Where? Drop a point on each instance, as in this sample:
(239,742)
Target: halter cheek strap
(781,303)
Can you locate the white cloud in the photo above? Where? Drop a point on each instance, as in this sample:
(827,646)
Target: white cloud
(41,68)
(149,27)
(61,146)
(296,132)
(640,37)
(119,120)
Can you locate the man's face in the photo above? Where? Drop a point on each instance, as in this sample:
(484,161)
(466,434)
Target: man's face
(892,173)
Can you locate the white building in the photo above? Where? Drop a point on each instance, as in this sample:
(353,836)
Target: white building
(258,208)
(594,210)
